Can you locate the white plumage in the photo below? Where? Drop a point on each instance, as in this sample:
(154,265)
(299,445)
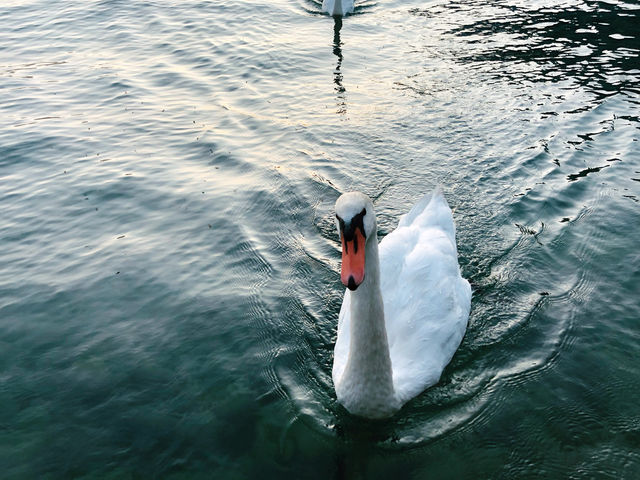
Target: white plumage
(426,305)
(337,7)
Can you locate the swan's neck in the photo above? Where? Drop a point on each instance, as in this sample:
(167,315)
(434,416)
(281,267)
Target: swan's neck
(367,383)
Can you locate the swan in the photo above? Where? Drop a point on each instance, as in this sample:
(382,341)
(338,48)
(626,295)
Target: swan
(337,7)
(406,306)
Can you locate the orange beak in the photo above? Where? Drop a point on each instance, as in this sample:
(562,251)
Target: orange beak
(352,273)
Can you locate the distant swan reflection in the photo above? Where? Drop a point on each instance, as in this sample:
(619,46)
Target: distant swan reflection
(337,74)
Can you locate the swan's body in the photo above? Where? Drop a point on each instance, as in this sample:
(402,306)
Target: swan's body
(337,7)
(405,314)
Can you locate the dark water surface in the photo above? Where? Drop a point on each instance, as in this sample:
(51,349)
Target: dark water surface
(169,266)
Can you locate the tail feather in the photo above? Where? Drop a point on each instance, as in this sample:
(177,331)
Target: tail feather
(425,202)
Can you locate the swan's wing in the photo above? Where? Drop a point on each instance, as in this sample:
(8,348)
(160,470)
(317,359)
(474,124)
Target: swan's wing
(426,300)
(341,349)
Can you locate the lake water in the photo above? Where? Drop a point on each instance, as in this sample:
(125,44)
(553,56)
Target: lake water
(169,267)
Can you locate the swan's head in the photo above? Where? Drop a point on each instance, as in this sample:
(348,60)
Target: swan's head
(356,222)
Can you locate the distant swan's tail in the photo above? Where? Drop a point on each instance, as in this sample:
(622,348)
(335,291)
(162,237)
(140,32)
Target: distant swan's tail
(337,7)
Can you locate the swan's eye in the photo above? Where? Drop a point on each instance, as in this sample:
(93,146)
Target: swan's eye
(363,212)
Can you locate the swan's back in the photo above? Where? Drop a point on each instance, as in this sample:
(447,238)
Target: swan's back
(426,300)
(337,7)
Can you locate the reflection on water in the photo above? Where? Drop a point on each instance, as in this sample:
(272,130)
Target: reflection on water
(337,74)
(594,44)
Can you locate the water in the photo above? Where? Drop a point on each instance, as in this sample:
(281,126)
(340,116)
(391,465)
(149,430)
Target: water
(169,272)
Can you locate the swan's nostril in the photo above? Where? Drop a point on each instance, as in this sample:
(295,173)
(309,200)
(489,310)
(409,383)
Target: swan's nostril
(352,283)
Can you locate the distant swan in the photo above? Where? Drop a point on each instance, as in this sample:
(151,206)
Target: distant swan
(406,308)
(337,7)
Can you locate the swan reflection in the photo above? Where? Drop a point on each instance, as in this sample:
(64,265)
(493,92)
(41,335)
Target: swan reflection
(341,100)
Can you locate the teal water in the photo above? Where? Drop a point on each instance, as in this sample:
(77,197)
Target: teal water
(169,283)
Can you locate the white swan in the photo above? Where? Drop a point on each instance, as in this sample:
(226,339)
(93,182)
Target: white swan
(337,7)
(406,308)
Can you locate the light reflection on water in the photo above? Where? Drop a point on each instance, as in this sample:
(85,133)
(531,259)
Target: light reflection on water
(169,287)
